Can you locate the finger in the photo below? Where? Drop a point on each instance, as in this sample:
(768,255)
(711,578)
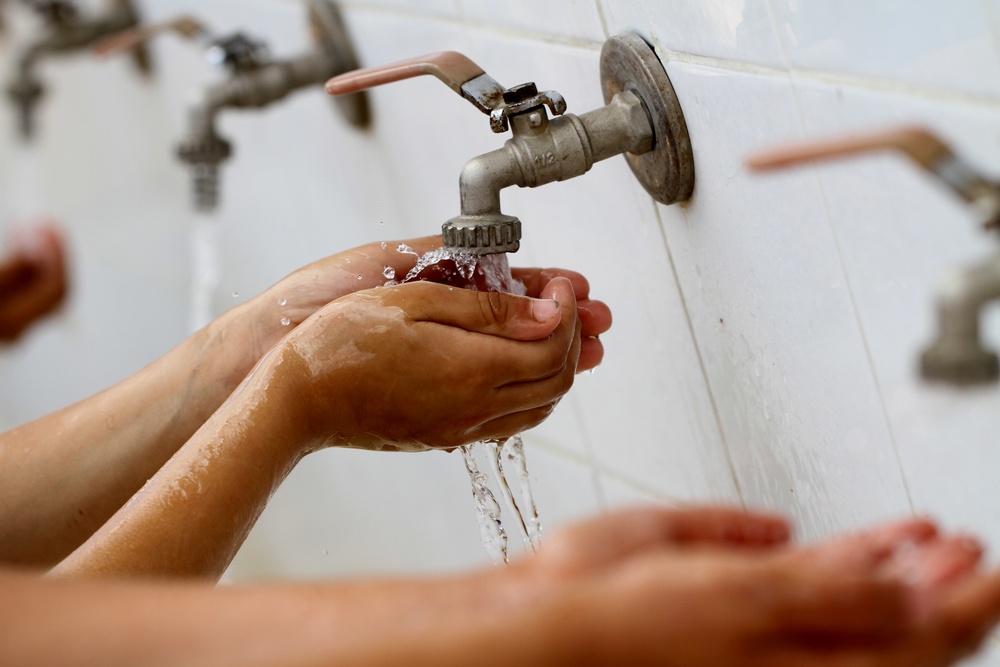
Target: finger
(724,525)
(591,354)
(819,600)
(969,610)
(559,369)
(504,315)
(626,533)
(536,279)
(936,563)
(876,545)
(510,424)
(595,315)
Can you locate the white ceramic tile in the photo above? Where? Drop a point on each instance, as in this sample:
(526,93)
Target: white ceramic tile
(573,19)
(945,45)
(742,31)
(773,318)
(344,512)
(899,232)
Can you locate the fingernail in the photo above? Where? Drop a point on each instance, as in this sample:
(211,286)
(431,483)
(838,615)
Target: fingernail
(544,310)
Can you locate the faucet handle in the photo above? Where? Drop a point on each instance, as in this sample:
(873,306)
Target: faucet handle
(185,26)
(460,74)
(925,148)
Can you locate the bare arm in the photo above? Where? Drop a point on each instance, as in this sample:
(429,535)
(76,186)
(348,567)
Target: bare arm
(696,588)
(354,374)
(63,476)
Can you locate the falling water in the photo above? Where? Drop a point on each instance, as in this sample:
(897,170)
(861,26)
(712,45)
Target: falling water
(488,273)
(207,268)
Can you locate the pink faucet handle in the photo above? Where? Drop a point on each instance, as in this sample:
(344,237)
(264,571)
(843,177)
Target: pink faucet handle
(456,71)
(924,147)
(185,26)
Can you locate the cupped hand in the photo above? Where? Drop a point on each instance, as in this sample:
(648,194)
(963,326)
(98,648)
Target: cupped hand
(274,313)
(33,279)
(424,365)
(656,587)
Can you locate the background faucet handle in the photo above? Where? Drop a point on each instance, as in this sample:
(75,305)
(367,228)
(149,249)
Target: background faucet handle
(456,71)
(185,26)
(922,146)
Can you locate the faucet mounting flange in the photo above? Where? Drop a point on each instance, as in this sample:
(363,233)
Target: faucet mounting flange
(666,171)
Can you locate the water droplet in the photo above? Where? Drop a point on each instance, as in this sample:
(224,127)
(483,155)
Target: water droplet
(405,249)
(235,294)
(282,301)
(360,277)
(381,222)
(285,321)
(347,261)
(326,552)
(389,272)
(383,244)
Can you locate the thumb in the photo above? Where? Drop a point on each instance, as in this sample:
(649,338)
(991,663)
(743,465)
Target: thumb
(492,313)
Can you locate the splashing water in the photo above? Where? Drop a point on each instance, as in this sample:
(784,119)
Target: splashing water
(489,273)
(491,528)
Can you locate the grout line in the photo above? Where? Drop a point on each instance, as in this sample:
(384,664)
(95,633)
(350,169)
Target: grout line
(860,81)
(697,349)
(603,19)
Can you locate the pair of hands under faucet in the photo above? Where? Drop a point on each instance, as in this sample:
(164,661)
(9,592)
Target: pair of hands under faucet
(322,358)
(216,424)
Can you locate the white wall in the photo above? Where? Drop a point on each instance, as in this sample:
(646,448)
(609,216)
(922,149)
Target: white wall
(766,333)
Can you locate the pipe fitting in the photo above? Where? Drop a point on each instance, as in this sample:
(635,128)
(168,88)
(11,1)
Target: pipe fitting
(957,355)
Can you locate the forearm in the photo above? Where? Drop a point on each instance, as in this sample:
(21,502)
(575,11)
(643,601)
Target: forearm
(456,621)
(190,518)
(62,476)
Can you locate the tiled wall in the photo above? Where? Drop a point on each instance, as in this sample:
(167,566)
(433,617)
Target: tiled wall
(766,332)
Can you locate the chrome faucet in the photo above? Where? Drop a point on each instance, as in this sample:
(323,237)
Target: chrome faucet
(956,355)
(642,118)
(255,82)
(67,32)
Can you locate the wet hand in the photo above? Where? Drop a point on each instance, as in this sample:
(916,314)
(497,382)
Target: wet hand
(423,365)
(658,588)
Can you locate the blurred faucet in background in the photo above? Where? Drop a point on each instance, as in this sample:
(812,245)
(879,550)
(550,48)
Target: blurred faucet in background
(255,81)
(956,355)
(66,31)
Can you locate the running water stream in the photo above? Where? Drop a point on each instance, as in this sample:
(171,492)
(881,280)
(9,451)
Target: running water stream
(487,273)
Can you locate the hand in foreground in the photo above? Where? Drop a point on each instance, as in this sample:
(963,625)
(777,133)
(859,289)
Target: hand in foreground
(32,280)
(902,594)
(691,588)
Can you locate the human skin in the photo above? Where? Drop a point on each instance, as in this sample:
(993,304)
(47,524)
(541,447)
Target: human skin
(33,279)
(107,446)
(697,587)
(355,373)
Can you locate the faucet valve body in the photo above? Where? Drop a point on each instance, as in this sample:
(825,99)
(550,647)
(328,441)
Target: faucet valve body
(67,32)
(641,117)
(255,82)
